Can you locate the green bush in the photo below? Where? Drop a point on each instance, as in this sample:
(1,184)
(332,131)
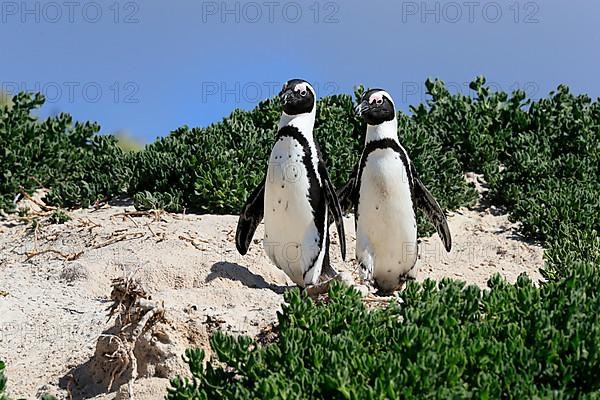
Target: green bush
(541,159)
(78,165)
(445,341)
(59,216)
(2,381)
(538,157)
(209,169)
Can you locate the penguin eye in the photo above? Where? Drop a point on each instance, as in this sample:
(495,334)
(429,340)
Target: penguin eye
(379,102)
(303,93)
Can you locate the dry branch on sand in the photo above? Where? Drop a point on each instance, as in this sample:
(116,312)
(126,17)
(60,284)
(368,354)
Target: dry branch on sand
(155,214)
(66,257)
(117,238)
(135,313)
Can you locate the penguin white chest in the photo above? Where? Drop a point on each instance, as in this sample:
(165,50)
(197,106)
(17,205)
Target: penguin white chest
(386,229)
(292,240)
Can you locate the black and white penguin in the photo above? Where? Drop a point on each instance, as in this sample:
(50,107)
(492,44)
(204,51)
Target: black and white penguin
(384,190)
(296,197)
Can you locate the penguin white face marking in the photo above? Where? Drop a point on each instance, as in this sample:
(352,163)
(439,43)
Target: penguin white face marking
(379,96)
(302,88)
(376,98)
(376,106)
(297,97)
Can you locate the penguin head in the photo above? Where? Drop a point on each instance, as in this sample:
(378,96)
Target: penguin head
(376,107)
(297,97)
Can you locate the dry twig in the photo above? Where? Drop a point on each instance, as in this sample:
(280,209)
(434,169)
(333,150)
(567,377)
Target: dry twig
(66,257)
(119,238)
(193,242)
(155,214)
(37,202)
(87,224)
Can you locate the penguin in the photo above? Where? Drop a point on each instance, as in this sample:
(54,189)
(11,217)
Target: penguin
(296,197)
(384,190)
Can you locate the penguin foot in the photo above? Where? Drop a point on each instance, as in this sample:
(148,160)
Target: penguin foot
(323,287)
(378,297)
(366,287)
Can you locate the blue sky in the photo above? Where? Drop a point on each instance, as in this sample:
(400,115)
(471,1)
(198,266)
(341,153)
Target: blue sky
(148,67)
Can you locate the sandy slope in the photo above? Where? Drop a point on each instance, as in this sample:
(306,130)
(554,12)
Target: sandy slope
(52,310)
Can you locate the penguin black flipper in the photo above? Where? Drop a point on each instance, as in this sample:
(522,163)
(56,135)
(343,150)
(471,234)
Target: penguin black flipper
(346,194)
(434,213)
(335,210)
(327,271)
(333,201)
(251,215)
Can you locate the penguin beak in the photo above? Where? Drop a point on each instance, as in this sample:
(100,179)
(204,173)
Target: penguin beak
(286,95)
(361,108)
